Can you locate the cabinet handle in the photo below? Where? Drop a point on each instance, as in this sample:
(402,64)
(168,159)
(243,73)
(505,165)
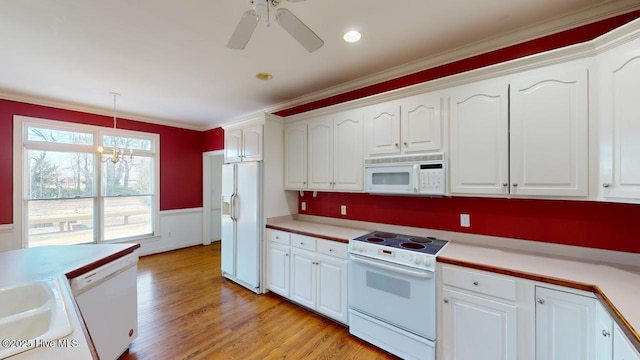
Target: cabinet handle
(301,243)
(446,301)
(606,185)
(405,145)
(475,283)
(304,183)
(396,145)
(515,185)
(330,250)
(605,333)
(505,184)
(540,301)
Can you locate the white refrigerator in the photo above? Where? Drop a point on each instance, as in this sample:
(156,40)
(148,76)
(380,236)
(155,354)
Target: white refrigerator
(241,227)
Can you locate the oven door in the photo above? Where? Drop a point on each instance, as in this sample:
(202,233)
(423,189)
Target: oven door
(396,294)
(392,179)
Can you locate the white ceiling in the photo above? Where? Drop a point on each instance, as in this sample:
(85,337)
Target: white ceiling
(169,59)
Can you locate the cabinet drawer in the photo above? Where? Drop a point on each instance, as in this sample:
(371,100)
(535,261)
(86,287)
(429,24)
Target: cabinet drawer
(332,248)
(480,282)
(303,242)
(278,236)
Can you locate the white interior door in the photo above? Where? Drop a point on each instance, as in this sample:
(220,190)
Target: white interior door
(215,193)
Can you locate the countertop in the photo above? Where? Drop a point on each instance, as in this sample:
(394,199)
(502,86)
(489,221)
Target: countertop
(617,286)
(62,263)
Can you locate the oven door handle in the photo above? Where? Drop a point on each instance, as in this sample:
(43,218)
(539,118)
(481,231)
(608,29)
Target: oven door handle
(426,274)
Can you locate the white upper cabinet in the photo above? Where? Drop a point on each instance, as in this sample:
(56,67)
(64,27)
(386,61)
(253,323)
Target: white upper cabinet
(527,135)
(549,131)
(405,126)
(335,159)
(619,115)
(320,156)
(348,165)
(295,152)
(383,129)
(243,144)
(479,138)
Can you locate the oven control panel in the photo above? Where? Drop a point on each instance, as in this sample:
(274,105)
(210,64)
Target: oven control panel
(399,256)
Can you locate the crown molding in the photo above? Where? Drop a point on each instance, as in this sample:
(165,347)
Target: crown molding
(605,10)
(58,104)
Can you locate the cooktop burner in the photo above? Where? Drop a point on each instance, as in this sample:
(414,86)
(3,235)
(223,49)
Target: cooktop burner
(426,245)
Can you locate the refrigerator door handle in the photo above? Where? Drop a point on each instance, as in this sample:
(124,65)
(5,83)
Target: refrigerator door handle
(232,211)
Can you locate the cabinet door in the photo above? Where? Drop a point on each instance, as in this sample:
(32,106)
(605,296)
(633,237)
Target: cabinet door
(420,124)
(548,131)
(348,165)
(233,145)
(604,331)
(565,325)
(383,129)
(295,160)
(476,328)
(622,348)
(619,109)
(252,143)
(320,156)
(479,139)
(278,269)
(303,278)
(332,285)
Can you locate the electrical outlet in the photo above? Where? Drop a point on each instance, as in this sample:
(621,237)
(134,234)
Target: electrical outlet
(303,206)
(343,209)
(465,220)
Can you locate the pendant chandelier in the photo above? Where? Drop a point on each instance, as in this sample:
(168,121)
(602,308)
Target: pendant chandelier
(117,154)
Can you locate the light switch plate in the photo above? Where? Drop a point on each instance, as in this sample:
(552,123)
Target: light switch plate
(465,220)
(343,209)
(303,206)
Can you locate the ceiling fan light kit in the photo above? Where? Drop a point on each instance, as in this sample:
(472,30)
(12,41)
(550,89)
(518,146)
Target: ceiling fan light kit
(289,22)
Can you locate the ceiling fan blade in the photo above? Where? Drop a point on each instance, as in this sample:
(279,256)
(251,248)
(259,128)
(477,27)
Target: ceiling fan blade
(244,30)
(296,28)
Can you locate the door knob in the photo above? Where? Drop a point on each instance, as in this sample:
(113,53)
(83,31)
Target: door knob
(605,333)
(540,301)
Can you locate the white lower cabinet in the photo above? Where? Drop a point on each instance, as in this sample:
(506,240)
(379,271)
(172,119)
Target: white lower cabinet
(278,262)
(622,348)
(482,316)
(309,271)
(611,342)
(278,268)
(485,315)
(478,328)
(565,325)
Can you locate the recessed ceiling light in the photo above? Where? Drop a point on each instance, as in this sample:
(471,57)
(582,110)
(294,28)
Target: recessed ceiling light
(351,36)
(264,76)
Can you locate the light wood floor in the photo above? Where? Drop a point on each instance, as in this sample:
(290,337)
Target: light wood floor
(187,310)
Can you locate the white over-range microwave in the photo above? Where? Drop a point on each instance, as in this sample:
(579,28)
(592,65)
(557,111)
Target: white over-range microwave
(406,175)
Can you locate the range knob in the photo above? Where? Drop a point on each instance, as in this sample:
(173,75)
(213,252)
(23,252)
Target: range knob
(427,261)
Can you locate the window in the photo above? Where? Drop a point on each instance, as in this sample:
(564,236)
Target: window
(74,194)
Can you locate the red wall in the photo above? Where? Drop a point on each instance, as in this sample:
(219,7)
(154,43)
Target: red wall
(584,223)
(213,139)
(591,224)
(180,159)
(555,41)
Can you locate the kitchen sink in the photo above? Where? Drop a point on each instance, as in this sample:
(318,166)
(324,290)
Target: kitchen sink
(31,314)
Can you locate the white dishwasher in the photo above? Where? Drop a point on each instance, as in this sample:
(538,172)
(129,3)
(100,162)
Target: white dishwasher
(108,301)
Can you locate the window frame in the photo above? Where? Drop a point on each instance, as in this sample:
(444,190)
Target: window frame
(21,146)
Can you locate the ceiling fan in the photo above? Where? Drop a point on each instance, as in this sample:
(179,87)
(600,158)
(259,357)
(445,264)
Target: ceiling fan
(263,8)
